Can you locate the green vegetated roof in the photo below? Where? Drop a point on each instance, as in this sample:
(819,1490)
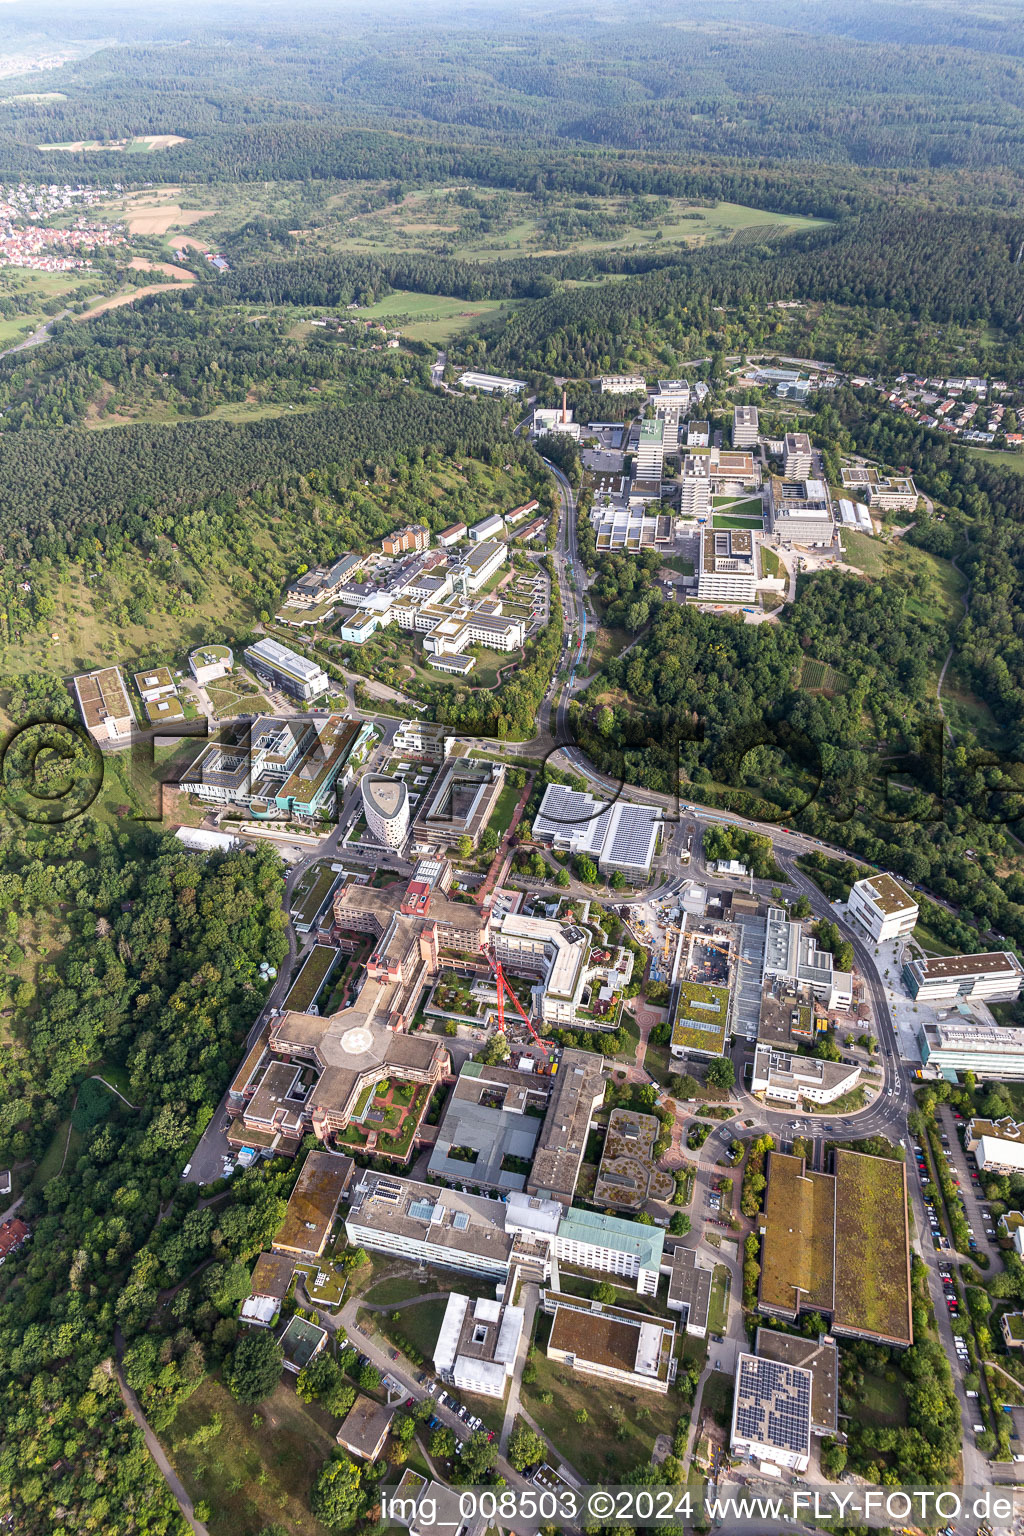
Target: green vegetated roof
(797,1261)
(700,1017)
(311,978)
(872,1247)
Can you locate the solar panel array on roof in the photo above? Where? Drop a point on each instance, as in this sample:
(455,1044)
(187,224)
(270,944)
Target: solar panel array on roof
(388,1190)
(774,1405)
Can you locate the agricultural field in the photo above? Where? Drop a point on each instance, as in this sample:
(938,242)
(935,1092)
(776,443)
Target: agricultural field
(145,144)
(40,296)
(483,224)
(432,317)
(819,677)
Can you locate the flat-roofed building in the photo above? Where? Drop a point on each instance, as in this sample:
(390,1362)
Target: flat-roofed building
(677,392)
(698,434)
(623,384)
(155,684)
(558,955)
(459,803)
(104,705)
(473,566)
(210,662)
(491,383)
(787,1078)
(882,907)
(313,1205)
(619,835)
(797,457)
(611,1343)
(889,493)
(996,977)
(727,566)
(745,426)
(365,1428)
(800,512)
(650,451)
(283,668)
(576,1096)
(999,1150)
(695,496)
(819,1356)
(386,808)
(612,1244)
(771,1413)
(477,1346)
(791,954)
(689,1292)
(839,1243)
(988,1050)
(422,1223)
(301,1341)
(270,1283)
(495,1113)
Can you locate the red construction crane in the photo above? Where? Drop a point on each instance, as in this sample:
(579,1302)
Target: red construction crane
(503,985)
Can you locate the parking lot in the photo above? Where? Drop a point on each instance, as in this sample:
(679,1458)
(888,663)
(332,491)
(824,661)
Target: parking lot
(963,1165)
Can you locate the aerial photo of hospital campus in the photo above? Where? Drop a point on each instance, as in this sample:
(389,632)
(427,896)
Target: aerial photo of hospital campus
(511,788)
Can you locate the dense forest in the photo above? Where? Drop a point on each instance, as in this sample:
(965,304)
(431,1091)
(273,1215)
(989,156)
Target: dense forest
(836,98)
(123,954)
(56,487)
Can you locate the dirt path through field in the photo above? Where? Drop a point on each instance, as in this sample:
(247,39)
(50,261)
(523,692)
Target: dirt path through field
(120,299)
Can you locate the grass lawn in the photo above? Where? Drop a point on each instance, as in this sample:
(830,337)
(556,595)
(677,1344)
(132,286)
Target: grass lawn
(716,1399)
(610,642)
(739,506)
(250,1476)
(595,1449)
(429,316)
(881,1402)
(719,1311)
(729,520)
(770,563)
(420,1324)
(504,809)
(1005,458)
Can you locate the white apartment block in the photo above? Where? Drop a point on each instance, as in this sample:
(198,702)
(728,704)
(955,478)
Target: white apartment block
(623,384)
(695,497)
(745,426)
(882,907)
(797,457)
(650,451)
(477,1345)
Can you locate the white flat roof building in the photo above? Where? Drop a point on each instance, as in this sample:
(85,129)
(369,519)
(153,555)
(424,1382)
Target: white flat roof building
(386,808)
(990,1052)
(492,383)
(934,979)
(787,1078)
(295,674)
(881,906)
(745,426)
(623,384)
(771,1415)
(477,1345)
